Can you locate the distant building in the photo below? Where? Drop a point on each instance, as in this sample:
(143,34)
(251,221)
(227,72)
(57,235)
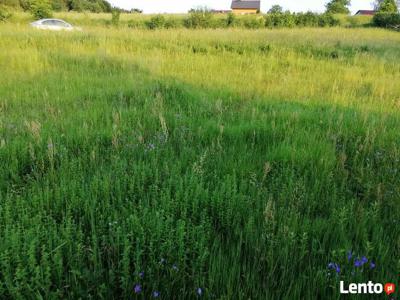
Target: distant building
(245,7)
(365,12)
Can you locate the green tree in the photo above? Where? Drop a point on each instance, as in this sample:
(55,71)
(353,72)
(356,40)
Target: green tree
(338,7)
(386,6)
(41,9)
(275,9)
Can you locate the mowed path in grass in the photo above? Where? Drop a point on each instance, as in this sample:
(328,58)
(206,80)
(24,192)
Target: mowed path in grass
(239,162)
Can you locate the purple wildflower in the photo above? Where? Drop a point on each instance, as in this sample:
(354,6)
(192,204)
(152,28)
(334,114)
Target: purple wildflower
(337,268)
(372,265)
(331,265)
(156,294)
(358,263)
(364,260)
(349,255)
(199,291)
(141,274)
(138,288)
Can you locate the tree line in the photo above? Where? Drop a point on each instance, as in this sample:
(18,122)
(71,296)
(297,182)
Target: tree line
(60,5)
(342,7)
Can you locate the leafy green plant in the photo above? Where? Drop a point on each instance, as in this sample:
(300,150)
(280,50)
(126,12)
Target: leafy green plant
(389,20)
(231,20)
(115,17)
(41,9)
(199,18)
(387,6)
(4,14)
(338,7)
(157,22)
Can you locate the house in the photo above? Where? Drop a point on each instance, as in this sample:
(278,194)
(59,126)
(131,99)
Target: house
(245,7)
(365,13)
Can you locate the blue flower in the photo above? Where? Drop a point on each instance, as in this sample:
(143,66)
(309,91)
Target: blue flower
(156,294)
(364,260)
(372,265)
(358,263)
(175,267)
(199,291)
(349,255)
(138,288)
(141,274)
(331,265)
(337,269)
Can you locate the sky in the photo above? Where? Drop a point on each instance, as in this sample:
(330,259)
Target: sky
(182,6)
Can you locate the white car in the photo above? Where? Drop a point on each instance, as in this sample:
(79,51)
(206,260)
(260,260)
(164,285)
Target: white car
(52,24)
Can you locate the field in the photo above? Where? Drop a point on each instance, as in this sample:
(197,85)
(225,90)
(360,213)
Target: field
(223,164)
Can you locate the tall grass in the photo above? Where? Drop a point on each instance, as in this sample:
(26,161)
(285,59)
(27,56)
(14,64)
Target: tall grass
(238,162)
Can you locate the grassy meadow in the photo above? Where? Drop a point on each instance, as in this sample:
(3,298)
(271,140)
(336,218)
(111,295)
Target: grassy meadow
(216,164)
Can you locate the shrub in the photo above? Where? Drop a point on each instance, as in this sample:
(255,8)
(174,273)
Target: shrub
(327,20)
(41,9)
(25,4)
(390,20)
(115,16)
(308,19)
(58,5)
(231,20)
(156,22)
(252,22)
(172,23)
(199,18)
(280,20)
(4,14)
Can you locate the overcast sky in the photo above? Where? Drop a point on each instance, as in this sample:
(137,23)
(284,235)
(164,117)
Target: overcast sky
(178,6)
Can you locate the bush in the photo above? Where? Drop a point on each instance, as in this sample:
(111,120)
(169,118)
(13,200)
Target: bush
(58,5)
(388,20)
(156,22)
(199,18)
(4,14)
(280,20)
(308,19)
(252,22)
(25,5)
(115,15)
(41,9)
(327,20)
(231,20)
(172,23)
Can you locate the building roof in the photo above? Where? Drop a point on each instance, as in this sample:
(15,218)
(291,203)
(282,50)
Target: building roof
(366,12)
(246,4)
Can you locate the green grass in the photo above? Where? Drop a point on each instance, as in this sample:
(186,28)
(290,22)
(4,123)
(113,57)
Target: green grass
(250,159)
